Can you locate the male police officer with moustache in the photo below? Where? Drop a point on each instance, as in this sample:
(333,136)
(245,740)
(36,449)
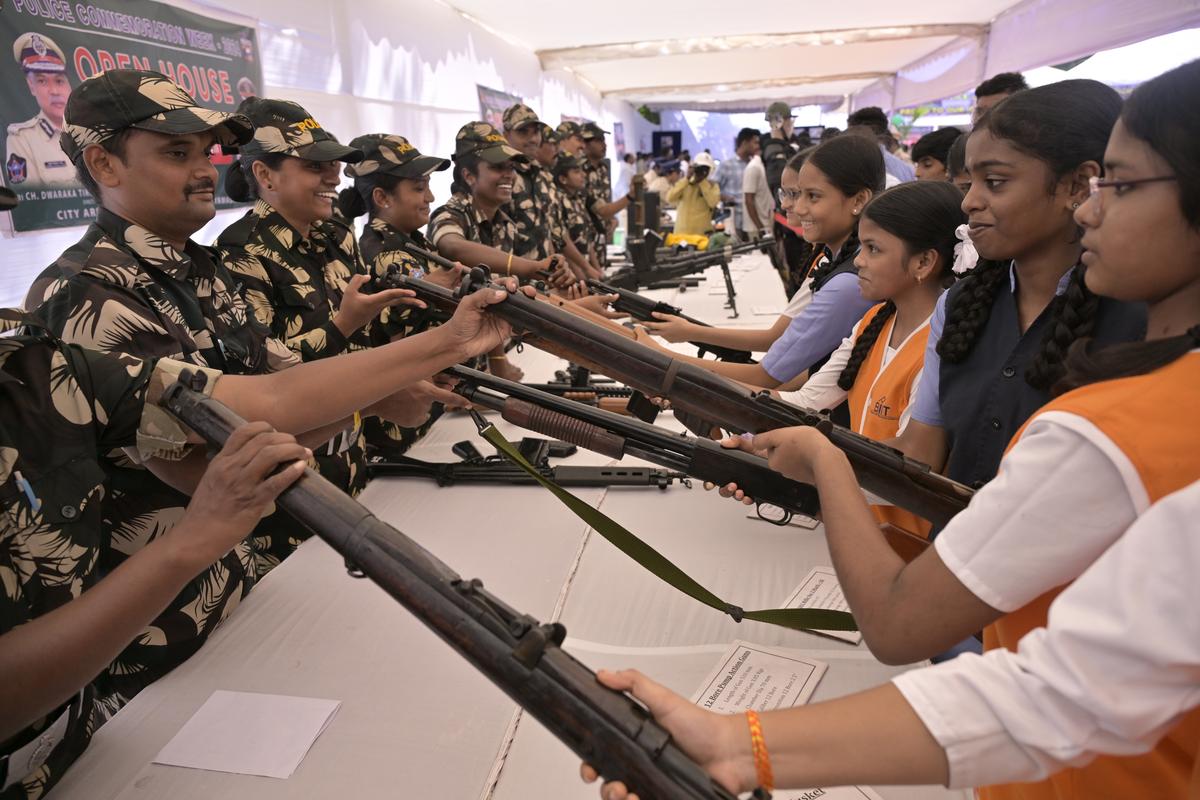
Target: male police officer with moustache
(598,171)
(33,155)
(136,284)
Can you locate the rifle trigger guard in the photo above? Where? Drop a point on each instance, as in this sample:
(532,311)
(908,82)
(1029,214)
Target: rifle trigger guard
(737,612)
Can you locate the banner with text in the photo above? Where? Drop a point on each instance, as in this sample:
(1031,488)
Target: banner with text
(55,44)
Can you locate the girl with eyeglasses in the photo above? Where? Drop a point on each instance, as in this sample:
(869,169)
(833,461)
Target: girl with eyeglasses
(1115,670)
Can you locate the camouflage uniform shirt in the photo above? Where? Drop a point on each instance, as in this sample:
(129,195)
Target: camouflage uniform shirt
(532,210)
(294,286)
(460,216)
(61,408)
(549,196)
(577,223)
(383,249)
(122,289)
(599,193)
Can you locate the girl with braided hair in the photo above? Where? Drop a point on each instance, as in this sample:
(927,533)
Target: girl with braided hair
(1099,699)
(757,340)
(999,337)
(833,186)
(908,241)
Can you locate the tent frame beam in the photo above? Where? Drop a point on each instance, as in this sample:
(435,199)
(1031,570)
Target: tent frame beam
(563,58)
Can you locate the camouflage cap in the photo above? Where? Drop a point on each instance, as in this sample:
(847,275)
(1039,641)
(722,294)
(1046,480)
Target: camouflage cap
(392,154)
(8,198)
(779,110)
(518,116)
(108,103)
(590,131)
(549,135)
(564,163)
(36,52)
(484,141)
(281,126)
(566,129)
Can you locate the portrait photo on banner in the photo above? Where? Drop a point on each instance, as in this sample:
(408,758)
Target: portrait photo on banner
(55,46)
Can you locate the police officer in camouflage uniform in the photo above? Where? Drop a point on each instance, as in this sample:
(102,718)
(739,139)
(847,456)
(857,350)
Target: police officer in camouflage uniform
(598,171)
(61,408)
(570,137)
(572,193)
(472,227)
(147,290)
(391,185)
(533,208)
(299,266)
(529,207)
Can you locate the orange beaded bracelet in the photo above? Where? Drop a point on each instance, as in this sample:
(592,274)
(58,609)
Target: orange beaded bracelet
(762,759)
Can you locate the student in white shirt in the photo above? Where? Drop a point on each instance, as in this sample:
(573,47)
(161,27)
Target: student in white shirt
(1115,668)
(1075,478)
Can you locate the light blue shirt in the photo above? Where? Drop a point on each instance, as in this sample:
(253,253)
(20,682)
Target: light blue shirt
(927,408)
(818,329)
(893,165)
(729,178)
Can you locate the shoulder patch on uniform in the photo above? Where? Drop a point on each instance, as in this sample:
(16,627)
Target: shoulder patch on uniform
(17,169)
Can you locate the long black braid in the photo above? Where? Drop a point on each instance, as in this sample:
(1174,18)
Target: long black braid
(923,215)
(849,251)
(863,344)
(968,310)
(1073,316)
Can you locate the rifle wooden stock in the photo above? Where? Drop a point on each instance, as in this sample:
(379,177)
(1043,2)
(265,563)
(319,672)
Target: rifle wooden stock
(881,470)
(607,729)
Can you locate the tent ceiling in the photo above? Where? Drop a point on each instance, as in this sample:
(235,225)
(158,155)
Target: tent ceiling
(780,50)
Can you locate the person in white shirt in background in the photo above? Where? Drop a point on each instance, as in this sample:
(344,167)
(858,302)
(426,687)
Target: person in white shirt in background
(757,200)
(729,175)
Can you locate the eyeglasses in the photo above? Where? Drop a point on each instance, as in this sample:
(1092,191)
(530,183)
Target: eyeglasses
(1096,184)
(786,196)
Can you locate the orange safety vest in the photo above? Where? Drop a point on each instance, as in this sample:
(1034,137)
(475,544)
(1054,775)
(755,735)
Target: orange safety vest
(880,395)
(1152,420)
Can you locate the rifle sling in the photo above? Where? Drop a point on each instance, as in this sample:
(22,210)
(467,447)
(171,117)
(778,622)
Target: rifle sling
(655,562)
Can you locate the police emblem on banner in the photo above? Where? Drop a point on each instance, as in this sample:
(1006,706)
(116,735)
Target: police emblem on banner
(17,168)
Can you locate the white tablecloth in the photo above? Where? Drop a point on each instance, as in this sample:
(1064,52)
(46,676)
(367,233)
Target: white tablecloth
(416,720)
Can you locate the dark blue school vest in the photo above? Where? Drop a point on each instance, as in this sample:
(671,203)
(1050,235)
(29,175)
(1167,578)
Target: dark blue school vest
(985,399)
(839,414)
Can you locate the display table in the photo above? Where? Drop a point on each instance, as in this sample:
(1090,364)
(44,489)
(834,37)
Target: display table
(415,719)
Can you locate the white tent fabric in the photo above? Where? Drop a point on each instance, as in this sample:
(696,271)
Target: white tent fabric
(876,51)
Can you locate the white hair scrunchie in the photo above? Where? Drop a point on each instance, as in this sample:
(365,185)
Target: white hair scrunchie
(965,256)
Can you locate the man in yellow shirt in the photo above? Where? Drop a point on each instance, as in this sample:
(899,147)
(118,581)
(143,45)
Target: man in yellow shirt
(696,198)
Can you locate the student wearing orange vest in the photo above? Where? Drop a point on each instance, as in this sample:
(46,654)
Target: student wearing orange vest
(908,240)
(1075,478)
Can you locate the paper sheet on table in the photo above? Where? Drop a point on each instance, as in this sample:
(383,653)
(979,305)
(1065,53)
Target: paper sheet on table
(820,589)
(750,676)
(249,733)
(766,311)
(833,793)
